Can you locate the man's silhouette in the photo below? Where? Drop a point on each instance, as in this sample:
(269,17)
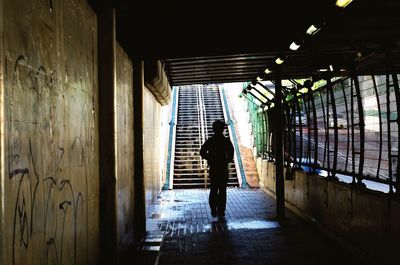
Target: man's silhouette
(218,150)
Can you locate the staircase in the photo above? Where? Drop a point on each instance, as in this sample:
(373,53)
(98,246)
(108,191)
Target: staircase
(198,107)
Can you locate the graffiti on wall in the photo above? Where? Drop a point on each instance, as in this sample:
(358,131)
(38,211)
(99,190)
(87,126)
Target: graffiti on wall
(46,186)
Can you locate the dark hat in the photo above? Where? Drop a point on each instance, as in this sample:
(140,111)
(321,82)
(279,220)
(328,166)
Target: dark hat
(218,126)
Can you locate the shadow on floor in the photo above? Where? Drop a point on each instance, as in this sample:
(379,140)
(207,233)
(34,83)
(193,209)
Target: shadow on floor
(182,231)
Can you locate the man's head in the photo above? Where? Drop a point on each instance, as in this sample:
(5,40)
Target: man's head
(218,127)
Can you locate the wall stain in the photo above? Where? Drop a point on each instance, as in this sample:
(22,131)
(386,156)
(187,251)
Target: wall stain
(23,170)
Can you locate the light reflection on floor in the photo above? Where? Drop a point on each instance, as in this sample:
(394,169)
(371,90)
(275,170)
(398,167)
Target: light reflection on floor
(254,224)
(181,230)
(178,211)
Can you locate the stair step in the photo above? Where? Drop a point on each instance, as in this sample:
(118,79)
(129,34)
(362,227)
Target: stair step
(198,186)
(188,164)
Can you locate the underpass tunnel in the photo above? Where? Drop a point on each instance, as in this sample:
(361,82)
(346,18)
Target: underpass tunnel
(105,105)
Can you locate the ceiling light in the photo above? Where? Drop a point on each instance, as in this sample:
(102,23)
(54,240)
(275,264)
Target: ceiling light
(303,90)
(267,71)
(331,67)
(259,79)
(323,70)
(312,30)
(294,46)
(269,95)
(279,60)
(343,3)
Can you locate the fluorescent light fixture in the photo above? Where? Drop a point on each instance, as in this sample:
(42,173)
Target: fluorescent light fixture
(267,71)
(343,3)
(279,60)
(269,95)
(312,30)
(259,79)
(331,67)
(323,70)
(294,46)
(303,90)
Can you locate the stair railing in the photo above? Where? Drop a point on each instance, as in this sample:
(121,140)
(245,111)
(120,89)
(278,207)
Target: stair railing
(199,122)
(205,136)
(198,104)
(205,118)
(202,128)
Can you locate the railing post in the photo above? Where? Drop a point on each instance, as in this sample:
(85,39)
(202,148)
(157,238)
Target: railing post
(315,125)
(378,103)
(361,126)
(335,131)
(279,148)
(347,125)
(397,95)
(393,157)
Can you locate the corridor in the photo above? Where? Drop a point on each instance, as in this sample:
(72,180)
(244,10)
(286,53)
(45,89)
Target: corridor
(104,107)
(180,230)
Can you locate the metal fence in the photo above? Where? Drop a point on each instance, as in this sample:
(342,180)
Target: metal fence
(259,123)
(349,126)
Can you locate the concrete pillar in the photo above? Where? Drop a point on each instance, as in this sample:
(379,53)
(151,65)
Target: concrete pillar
(107,86)
(140,207)
(279,149)
(2,144)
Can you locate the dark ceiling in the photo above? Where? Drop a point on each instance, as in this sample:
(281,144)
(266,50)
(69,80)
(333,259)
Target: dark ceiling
(229,41)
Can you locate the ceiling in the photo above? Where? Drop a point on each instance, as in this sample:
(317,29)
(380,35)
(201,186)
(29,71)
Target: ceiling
(231,41)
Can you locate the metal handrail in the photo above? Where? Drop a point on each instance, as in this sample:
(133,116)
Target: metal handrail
(205,117)
(199,123)
(202,129)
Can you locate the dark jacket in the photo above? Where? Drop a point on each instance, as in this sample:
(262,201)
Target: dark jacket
(218,151)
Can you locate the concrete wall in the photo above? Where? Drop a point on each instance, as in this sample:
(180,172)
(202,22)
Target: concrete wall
(364,219)
(49,139)
(157,82)
(153,145)
(124,151)
(242,125)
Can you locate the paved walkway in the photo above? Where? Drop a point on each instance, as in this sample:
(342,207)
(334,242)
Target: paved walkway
(182,231)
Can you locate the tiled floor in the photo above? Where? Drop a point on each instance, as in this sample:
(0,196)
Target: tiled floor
(182,231)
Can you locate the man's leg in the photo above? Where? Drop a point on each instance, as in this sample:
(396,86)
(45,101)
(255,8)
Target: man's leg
(212,200)
(221,200)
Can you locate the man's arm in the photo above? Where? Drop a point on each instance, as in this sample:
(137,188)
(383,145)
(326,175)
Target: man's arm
(204,150)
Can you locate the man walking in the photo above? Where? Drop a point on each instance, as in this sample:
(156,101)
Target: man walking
(218,151)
